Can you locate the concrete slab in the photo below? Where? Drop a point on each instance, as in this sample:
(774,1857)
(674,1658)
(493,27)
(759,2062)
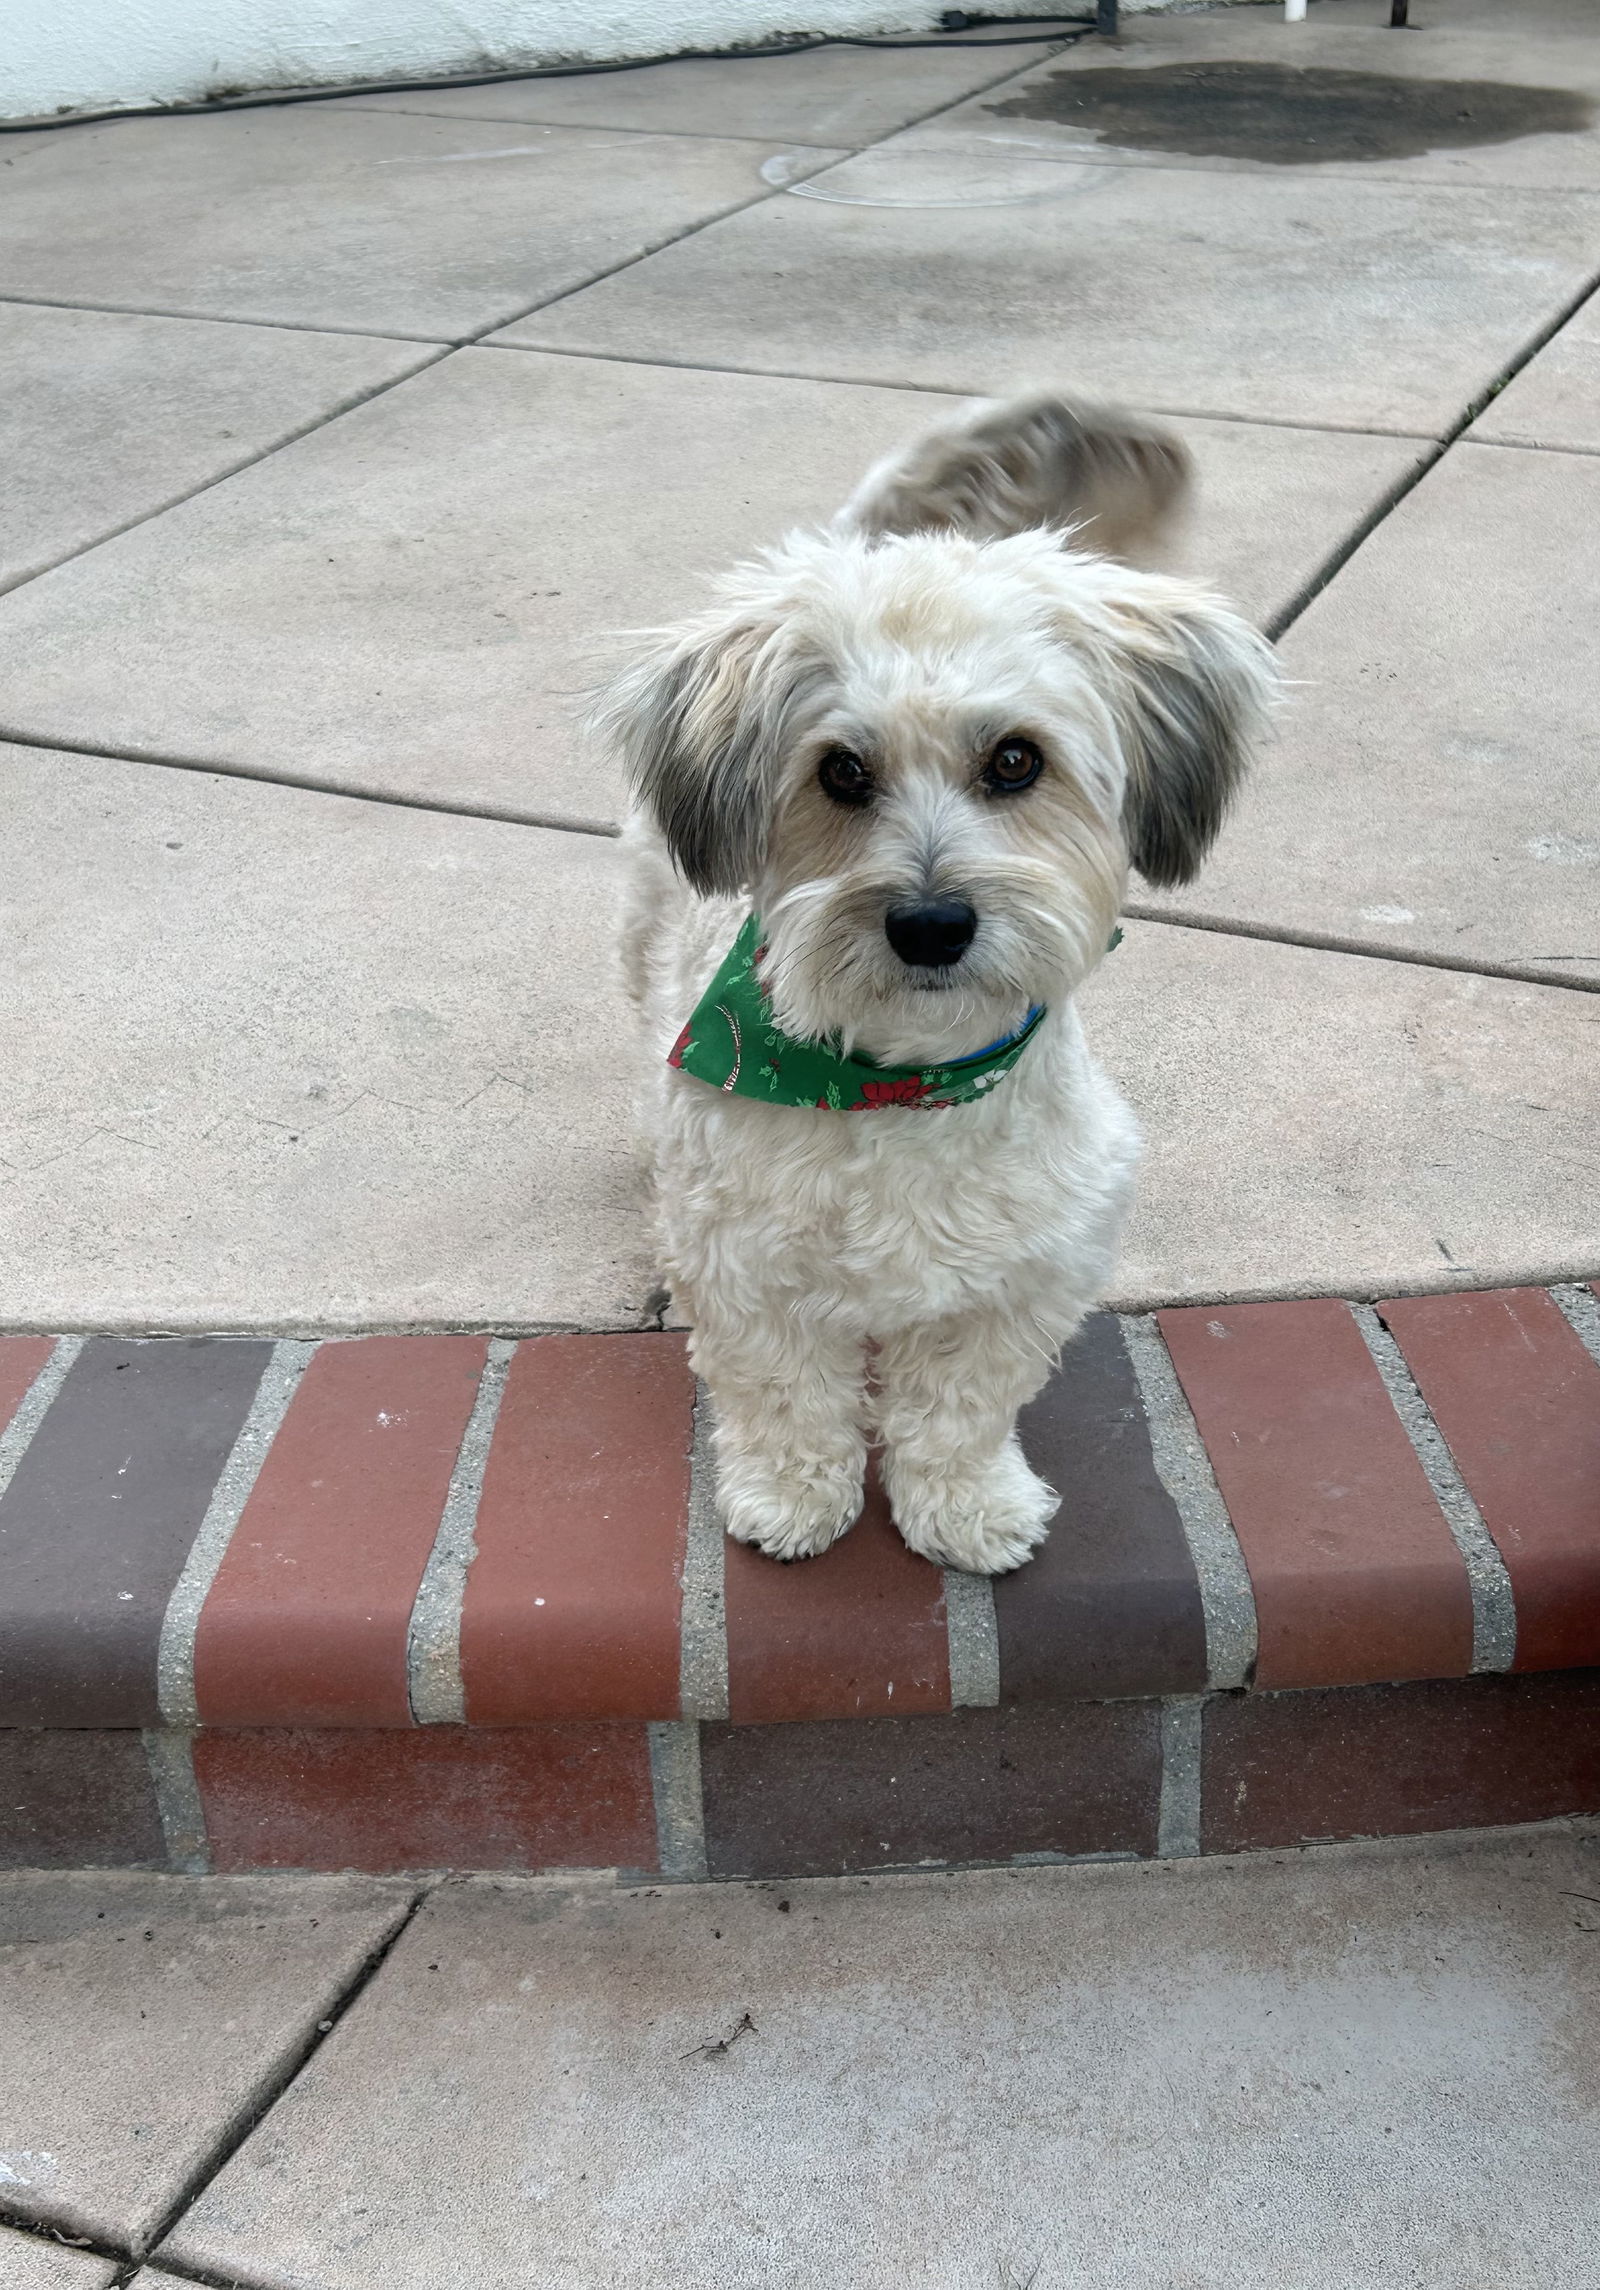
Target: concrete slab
(1390,306)
(1365,2064)
(1435,784)
(278,1060)
(841,96)
(1531,116)
(333,1066)
(367,221)
(27,2264)
(1319,1122)
(146,2015)
(108,418)
(1555,400)
(412,600)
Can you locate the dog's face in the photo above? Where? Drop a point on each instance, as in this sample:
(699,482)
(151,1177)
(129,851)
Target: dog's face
(931,760)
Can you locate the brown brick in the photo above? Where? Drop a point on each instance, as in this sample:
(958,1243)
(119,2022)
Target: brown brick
(573,1602)
(1518,1401)
(76,1799)
(306,1621)
(21,1359)
(1357,1578)
(1290,1769)
(528,1797)
(858,1632)
(1110,1604)
(980,1785)
(100,1517)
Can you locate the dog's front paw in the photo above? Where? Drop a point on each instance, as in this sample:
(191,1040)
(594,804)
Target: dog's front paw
(788,1511)
(983,1521)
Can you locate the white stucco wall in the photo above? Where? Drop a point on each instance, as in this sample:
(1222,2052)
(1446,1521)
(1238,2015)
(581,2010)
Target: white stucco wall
(80,55)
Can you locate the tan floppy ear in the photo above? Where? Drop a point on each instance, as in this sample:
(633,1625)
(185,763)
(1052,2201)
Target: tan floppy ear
(1113,481)
(699,721)
(1191,689)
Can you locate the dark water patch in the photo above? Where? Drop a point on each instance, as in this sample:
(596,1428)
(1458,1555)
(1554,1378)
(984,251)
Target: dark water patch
(1292,115)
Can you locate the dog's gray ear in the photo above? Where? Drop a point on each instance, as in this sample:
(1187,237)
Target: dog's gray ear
(1192,690)
(1117,481)
(695,724)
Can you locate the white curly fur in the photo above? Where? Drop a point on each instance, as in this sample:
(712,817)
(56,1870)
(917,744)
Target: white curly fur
(949,1252)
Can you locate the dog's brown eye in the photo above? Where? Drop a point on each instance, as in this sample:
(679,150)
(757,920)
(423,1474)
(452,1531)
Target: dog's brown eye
(844,777)
(1014,765)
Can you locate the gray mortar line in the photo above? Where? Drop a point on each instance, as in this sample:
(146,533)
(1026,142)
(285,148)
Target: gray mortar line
(1494,1608)
(675,1781)
(175,1655)
(1582,1311)
(169,1753)
(974,1640)
(433,1639)
(1178,1822)
(1184,1469)
(15,1438)
(703,1658)
(680,1807)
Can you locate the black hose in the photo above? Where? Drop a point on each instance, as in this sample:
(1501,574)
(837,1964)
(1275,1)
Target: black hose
(1072,28)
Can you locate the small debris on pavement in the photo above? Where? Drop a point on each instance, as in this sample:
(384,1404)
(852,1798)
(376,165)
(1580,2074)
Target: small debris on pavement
(717,2045)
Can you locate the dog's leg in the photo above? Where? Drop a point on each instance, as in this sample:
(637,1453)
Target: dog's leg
(791,1448)
(958,1486)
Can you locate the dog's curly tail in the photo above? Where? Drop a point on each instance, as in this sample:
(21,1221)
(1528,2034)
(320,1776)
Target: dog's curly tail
(1113,482)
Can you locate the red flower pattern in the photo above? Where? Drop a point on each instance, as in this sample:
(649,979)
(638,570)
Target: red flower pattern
(911,1091)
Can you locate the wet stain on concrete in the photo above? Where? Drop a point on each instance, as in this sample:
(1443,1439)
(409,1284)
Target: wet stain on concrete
(1290,115)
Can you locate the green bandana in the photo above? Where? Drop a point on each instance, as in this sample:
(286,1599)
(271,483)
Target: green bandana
(732,1043)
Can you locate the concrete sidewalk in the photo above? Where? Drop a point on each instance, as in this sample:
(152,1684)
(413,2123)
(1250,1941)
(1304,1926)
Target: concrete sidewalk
(340,433)
(1335,2070)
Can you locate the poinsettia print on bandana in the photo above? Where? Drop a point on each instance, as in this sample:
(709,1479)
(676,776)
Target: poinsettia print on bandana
(732,1044)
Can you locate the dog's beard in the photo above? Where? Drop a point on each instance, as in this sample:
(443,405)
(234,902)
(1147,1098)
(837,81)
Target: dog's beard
(831,971)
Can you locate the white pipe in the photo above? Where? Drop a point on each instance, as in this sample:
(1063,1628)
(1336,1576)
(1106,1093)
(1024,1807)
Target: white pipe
(1294,11)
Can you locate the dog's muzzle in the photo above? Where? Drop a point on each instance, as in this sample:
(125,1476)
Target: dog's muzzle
(930,934)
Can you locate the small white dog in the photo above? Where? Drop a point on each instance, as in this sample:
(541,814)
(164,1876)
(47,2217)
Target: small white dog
(887,795)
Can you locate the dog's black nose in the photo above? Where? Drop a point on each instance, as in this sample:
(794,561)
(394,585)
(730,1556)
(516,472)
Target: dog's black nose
(931,933)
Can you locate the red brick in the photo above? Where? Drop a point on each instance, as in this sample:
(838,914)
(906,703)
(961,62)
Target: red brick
(533,1797)
(1356,1576)
(859,1632)
(21,1359)
(573,1602)
(306,1621)
(1518,1401)
(1293,1769)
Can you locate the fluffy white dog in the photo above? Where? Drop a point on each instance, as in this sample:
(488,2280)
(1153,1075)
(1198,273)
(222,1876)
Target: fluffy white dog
(887,795)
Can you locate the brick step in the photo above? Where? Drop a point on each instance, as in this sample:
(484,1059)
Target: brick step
(385,1602)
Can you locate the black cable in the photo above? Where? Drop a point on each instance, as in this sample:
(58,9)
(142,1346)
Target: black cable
(1074,29)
